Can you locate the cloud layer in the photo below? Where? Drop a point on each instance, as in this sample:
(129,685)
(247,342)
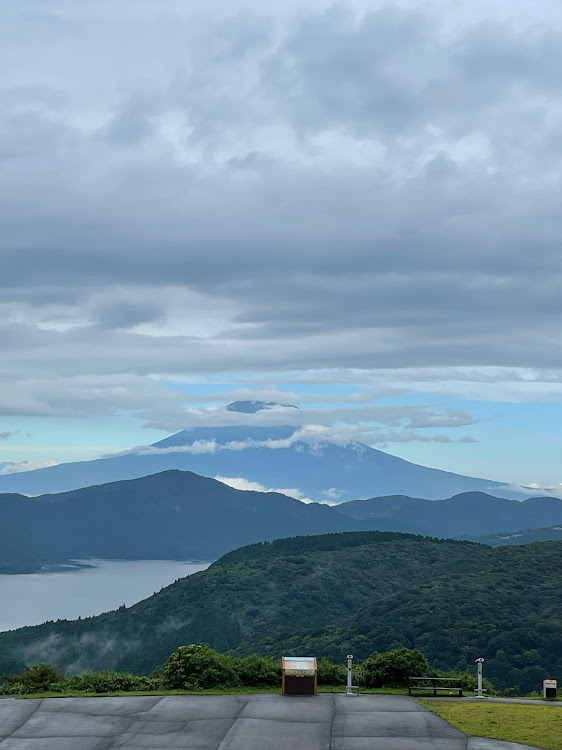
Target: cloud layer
(369,190)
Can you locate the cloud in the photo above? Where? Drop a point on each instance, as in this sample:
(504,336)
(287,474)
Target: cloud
(409,416)
(239,483)
(334,494)
(308,437)
(537,489)
(9,467)
(318,192)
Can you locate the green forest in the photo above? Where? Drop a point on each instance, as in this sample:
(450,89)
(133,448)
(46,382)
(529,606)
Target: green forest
(328,595)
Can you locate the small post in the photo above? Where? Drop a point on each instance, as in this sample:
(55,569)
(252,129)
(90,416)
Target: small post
(479,691)
(348,690)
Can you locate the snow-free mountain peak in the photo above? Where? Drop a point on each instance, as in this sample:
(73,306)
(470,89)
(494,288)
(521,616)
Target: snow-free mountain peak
(252,407)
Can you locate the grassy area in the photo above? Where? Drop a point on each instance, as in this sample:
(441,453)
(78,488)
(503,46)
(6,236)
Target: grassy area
(532,725)
(211,691)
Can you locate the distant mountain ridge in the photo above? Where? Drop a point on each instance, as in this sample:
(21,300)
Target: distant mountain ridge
(464,515)
(275,457)
(171,515)
(181,515)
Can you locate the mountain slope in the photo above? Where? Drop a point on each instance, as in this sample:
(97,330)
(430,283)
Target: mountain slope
(271,456)
(180,515)
(327,594)
(172,515)
(525,536)
(466,514)
(504,605)
(254,592)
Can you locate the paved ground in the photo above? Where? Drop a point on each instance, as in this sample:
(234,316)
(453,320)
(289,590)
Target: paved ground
(231,722)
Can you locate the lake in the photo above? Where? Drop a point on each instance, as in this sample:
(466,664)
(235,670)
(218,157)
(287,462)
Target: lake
(68,593)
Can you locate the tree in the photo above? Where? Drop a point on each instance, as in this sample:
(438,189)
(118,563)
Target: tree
(199,666)
(393,668)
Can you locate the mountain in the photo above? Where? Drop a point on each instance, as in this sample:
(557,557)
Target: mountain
(252,407)
(526,536)
(469,514)
(181,515)
(276,457)
(172,515)
(325,595)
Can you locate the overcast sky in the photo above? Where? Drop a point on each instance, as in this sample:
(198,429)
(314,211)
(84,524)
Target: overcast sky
(351,206)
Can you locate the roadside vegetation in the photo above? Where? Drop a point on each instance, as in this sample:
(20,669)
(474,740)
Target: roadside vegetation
(540,725)
(199,668)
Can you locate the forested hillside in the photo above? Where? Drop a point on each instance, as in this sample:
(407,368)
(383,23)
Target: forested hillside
(525,536)
(470,513)
(328,594)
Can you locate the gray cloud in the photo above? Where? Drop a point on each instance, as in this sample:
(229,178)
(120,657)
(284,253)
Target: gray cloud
(355,188)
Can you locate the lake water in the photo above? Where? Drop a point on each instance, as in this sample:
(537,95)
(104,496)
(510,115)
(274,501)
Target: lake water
(84,591)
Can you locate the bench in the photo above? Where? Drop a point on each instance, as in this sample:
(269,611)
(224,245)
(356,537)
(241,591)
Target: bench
(446,684)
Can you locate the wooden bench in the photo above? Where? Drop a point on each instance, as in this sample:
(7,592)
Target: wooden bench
(446,684)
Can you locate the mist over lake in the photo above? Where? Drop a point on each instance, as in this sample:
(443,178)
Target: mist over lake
(84,591)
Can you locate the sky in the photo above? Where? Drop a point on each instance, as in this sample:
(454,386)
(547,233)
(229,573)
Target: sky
(354,207)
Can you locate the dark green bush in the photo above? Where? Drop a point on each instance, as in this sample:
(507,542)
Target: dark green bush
(199,666)
(36,679)
(393,668)
(331,674)
(258,671)
(109,682)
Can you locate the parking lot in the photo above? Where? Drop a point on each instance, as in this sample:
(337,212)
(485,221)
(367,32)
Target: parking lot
(230,722)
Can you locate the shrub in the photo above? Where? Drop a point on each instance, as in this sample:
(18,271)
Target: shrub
(393,668)
(36,679)
(109,682)
(199,666)
(258,671)
(14,688)
(331,674)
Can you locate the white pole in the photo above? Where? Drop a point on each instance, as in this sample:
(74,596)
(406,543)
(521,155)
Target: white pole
(480,662)
(348,690)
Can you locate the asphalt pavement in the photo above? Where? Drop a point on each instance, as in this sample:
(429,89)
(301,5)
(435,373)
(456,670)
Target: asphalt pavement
(231,722)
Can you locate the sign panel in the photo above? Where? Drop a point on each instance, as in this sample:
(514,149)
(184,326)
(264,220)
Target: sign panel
(549,688)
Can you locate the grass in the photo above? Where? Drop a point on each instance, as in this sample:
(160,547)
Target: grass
(532,725)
